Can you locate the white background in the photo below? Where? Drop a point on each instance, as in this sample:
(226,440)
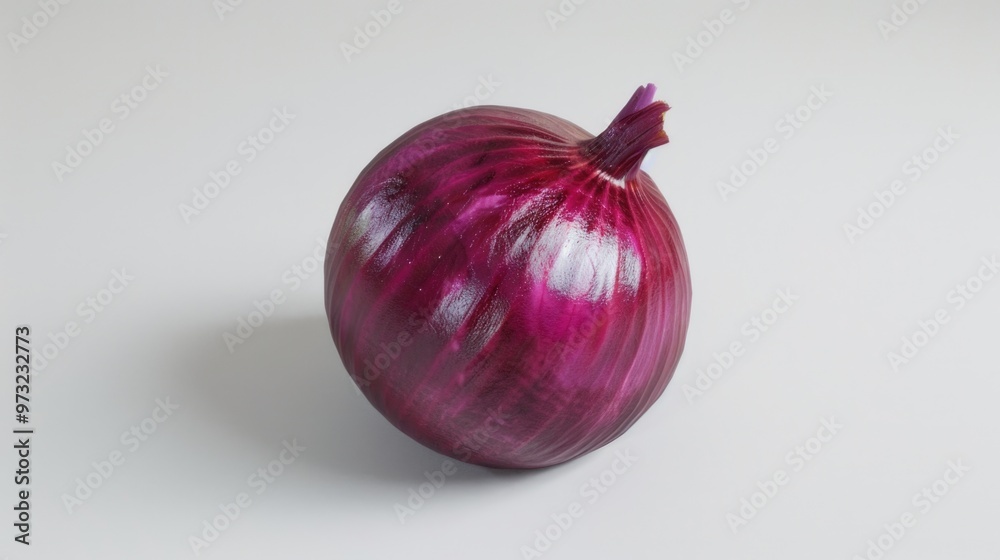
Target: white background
(698,456)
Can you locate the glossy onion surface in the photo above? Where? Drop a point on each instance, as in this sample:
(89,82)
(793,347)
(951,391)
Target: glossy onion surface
(506,288)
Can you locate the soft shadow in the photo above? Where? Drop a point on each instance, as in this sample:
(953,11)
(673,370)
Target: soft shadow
(287,381)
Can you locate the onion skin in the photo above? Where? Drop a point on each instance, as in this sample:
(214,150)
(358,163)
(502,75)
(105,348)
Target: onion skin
(507,289)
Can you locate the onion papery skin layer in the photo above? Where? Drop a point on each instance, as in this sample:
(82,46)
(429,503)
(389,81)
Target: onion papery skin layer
(508,289)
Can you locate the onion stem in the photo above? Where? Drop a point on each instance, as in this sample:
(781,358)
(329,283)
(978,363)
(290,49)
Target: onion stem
(638,128)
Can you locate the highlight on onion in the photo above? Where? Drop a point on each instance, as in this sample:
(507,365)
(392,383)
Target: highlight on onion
(506,288)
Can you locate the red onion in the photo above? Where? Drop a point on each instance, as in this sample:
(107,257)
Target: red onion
(506,288)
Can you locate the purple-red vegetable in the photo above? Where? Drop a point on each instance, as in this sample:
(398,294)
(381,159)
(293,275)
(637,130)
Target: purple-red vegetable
(506,288)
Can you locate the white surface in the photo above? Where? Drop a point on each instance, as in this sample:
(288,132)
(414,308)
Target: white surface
(827,356)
